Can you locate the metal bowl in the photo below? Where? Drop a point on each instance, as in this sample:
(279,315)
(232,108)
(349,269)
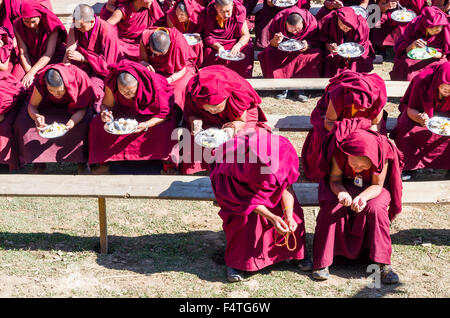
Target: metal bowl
(192,38)
(291,46)
(211,137)
(436,122)
(225,54)
(350,50)
(403,15)
(51,131)
(284,3)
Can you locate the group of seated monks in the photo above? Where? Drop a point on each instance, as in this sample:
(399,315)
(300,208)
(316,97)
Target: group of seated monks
(134,62)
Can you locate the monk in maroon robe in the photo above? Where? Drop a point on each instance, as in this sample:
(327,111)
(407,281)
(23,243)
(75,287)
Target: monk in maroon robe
(387,31)
(341,26)
(133,92)
(131,19)
(360,193)
(349,94)
(226,29)
(92,45)
(11,99)
(428,95)
(432,29)
(6,49)
(63,94)
(264,18)
(188,16)
(300,25)
(166,52)
(9,11)
(218,97)
(331,5)
(109,7)
(41,38)
(258,206)
(444,5)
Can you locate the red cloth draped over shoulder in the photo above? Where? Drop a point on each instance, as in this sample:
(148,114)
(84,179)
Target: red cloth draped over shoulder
(232,27)
(37,42)
(196,13)
(430,17)
(354,137)
(100,47)
(10,91)
(179,55)
(153,97)
(8,45)
(212,85)
(76,81)
(9,11)
(105,14)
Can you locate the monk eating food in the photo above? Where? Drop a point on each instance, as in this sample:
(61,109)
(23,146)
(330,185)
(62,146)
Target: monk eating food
(360,193)
(6,49)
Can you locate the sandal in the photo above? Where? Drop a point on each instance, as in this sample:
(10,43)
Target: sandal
(321,274)
(234,275)
(388,276)
(305,265)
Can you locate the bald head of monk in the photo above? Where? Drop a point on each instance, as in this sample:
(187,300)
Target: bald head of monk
(55,83)
(181,12)
(127,85)
(359,163)
(139,4)
(294,23)
(84,17)
(224,8)
(159,42)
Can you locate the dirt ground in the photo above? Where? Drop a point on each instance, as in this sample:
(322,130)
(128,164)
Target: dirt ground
(49,246)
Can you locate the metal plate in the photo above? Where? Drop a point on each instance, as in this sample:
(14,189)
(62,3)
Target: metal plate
(226,56)
(284,3)
(291,46)
(350,50)
(192,38)
(113,129)
(211,138)
(403,15)
(439,125)
(360,11)
(51,131)
(420,53)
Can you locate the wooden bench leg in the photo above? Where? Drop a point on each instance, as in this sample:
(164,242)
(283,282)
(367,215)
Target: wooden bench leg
(103,227)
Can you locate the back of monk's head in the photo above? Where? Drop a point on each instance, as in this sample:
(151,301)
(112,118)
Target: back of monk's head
(127,80)
(160,41)
(294,19)
(53,78)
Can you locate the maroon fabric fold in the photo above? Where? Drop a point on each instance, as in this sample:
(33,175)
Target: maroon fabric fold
(9,11)
(196,13)
(8,45)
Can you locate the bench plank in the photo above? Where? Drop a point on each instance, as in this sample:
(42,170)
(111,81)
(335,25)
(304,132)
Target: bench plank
(393,88)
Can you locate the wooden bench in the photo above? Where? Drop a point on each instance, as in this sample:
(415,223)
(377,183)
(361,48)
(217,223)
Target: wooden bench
(170,188)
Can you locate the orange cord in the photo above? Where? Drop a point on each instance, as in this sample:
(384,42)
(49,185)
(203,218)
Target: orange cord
(286,239)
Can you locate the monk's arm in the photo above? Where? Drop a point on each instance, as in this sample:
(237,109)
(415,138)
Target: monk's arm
(277,221)
(4,66)
(376,122)
(336,185)
(441,5)
(45,59)
(330,117)
(71,44)
(33,110)
(245,35)
(150,123)
(142,53)
(111,5)
(115,17)
(176,76)
(417,116)
(287,203)
(237,124)
(76,118)
(169,22)
(196,124)
(107,105)
(24,58)
(375,188)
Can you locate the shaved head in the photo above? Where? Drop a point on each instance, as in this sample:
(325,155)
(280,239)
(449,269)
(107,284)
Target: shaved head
(160,42)
(127,80)
(222,3)
(294,19)
(53,78)
(182,6)
(83,12)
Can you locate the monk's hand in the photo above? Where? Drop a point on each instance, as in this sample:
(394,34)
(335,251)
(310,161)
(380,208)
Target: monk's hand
(423,119)
(438,55)
(40,122)
(236,49)
(420,43)
(358,204)
(27,80)
(305,46)
(279,224)
(70,124)
(75,56)
(106,116)
(196,126)
(344,198)
(148,66)
(1,43)
(141,127)
(332,47)
(270,3)
(291,224)
(337,4)
(2,117)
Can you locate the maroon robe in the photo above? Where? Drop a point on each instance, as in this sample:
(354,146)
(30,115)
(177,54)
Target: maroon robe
(197,16)
(212,85)
(359,33)
(11,100)
(387,31)
(264,18)
(100,47)
(339,230)
(228,36)
(36,43)
(241,187)
(279,64)
(421,147)
(352,95)
(105,14)
(324,11)
(180,55)
(7,49)
(154,98)
(132,25)
(72,147)
(9,11)
(406,68)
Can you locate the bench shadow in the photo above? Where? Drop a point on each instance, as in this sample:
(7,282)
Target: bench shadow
(439,237)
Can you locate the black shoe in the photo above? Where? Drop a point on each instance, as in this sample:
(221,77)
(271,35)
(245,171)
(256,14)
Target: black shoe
(321,274)
(282,94)
(234,275)
(305,265)
(300,96)
(388,276)
(409,175)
